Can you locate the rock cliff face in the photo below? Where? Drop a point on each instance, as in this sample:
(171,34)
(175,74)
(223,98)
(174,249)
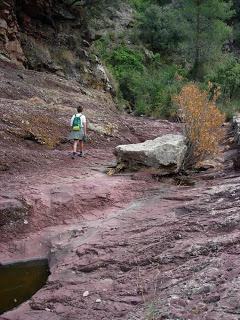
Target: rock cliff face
(10,46)
(56,36)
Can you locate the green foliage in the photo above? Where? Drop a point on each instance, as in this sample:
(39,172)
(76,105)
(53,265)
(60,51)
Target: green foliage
(193,30)
(227,77)
(139,4)
(123,58)
(151,312)
(230,108)
(153,91)
(173,42)
(159,28)
(236,33)
(205,31)
(143,83)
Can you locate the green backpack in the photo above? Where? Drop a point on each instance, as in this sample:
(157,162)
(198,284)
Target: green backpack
(77,123)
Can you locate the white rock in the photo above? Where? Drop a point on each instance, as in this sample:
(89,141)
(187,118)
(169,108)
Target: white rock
(98,300)
(3,24)
(165,153)
(85,293)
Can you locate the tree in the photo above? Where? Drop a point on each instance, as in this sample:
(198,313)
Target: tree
(203,23)
(159,28)
(194,31)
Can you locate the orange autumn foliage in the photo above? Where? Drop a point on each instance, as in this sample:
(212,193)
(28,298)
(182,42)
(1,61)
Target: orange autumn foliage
(202,122)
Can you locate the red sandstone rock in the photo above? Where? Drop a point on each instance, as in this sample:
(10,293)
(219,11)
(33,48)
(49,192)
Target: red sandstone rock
(134,243)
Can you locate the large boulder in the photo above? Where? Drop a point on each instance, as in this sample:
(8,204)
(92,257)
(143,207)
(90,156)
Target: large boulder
(165,154)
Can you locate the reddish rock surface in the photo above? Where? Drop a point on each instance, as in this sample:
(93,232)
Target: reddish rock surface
(9,34)
(142,248)
(173,251)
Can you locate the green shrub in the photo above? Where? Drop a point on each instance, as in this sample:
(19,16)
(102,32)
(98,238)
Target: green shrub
(144,85)
(155,89)
(227,76)
(139,4)
(230,108)
(123,59)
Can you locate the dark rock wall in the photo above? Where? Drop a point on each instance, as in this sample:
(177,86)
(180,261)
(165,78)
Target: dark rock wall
(56,36)
(10,46)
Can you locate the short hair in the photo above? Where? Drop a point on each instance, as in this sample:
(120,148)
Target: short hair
(79,108)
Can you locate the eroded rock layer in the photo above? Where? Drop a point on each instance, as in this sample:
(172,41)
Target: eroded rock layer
(56,36)
(173,254)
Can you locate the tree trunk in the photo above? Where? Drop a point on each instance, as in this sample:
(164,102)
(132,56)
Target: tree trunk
(197,64)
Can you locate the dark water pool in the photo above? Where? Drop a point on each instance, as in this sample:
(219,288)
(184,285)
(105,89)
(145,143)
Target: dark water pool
(20,280)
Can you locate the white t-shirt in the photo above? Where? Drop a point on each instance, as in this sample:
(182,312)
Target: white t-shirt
(83,118)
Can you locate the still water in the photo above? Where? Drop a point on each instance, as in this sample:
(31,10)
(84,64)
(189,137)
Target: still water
(19,281)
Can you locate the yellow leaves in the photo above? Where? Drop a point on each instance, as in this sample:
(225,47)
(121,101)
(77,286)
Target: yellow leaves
(43,129)
(116,169)
(203,121)
(110,129)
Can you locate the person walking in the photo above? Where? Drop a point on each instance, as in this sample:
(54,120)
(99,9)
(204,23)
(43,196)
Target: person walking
(78,132)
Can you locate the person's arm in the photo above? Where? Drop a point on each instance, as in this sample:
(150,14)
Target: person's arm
(85,127)
(84,122)
(71,122)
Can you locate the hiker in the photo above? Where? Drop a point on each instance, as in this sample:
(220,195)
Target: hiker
(79,132)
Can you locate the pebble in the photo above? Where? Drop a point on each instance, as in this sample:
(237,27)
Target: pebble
(85,293)
(98,300)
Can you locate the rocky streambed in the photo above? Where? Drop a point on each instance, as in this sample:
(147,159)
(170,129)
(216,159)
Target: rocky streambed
(152,250)
(126,246)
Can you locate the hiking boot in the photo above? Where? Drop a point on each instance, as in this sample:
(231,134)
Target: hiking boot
(81,154)
(73,155)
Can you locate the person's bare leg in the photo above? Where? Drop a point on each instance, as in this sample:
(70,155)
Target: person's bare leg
(81,146)
(75,144)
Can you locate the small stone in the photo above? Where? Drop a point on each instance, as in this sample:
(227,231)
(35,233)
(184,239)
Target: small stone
(85,293)
(47,309)
(15,300)
(3,24)
(98,300)
(25,222)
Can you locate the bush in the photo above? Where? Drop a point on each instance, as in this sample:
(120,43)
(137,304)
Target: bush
(230,109)
(154,89)
(202,122)
(123,59)
(139,5)
(227,76)
(143,83)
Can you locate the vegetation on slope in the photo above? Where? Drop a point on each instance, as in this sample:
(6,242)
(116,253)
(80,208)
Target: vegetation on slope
(170,44)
